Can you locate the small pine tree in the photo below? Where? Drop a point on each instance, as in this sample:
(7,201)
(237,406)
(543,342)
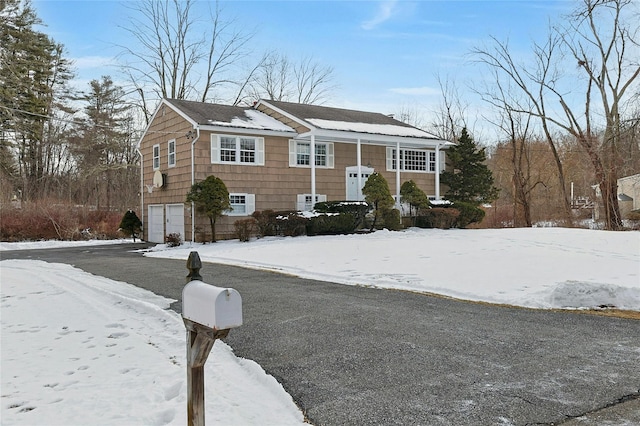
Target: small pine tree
(212,198)
(131,224)
(416,198)
(376,193)
(469,179)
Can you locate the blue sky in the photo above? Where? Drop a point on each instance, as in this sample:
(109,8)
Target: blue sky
(385,54)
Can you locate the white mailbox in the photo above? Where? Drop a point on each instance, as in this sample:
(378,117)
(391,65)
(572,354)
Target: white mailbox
(214,307)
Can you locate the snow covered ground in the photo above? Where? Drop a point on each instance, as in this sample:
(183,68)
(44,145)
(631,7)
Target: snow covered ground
(82,349)
(531,267)
(78,349)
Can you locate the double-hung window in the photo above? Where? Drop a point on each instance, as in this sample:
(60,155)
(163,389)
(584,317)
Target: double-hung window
(156,157)
(305,202)
(300,154)
(242,204)
(171,155)
(413,160)
(229,149)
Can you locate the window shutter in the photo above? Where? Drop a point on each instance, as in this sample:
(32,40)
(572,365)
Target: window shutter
(250,203)
(442,161)
(330,155)
(215,148)
(390,158)
(293,162)
(260,151)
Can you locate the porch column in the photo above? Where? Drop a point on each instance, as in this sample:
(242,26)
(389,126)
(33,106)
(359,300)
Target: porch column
(398,175)
(312,160)
(437,171)
(359,171)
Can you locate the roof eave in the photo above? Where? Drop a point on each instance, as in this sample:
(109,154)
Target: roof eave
(344,136)
(245,130)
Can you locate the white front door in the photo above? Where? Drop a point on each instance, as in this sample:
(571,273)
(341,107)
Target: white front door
(175,219)
(353,192)
(156,224)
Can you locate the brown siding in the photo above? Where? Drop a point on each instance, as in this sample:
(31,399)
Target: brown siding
(165,127)
(275,184)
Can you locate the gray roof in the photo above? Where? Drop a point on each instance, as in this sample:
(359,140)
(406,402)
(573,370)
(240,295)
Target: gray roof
(305,112)
(332,120)
(203,113)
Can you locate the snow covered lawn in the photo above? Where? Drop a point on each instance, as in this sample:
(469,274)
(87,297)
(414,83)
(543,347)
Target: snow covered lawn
(78,349)
(531,267)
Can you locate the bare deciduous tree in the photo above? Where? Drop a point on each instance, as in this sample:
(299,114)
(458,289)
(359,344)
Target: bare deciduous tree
(450,118)
(600,40)
(281,79)
(176,58)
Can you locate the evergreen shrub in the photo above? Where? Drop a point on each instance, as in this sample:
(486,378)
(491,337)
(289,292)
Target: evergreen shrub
(290,224)
(469,213)
(331,224)
(358,210)
(130,224)
(438,217)
(391,219)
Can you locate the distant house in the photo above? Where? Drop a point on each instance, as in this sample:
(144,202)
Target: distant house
(629,194)
(274,155)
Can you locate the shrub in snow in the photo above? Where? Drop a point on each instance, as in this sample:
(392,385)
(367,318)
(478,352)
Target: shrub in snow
(357,209)
(173,240)
(210,197)
(244,228)
(266,224)
(391,219)
(469,213)
(331,224)
(415,197)
(290,224)
(438,217)
(130,224)
(376,192)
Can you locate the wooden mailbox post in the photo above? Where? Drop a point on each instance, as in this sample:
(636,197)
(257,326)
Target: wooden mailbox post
(208,313)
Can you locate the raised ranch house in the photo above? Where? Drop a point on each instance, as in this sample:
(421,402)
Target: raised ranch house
(274,155)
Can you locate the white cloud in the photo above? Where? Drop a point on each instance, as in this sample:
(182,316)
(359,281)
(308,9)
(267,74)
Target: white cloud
(418,91)
(385,11)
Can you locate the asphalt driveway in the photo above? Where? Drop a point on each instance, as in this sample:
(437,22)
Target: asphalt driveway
(361,356)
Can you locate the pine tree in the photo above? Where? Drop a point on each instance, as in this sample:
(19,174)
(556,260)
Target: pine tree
(34,77)
(376,193)
(131,224)
(212,198)
(469,179)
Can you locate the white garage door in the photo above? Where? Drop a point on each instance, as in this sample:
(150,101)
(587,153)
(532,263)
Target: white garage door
(175,219)
(156,224)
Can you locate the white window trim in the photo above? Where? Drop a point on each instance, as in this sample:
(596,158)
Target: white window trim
(301,201)
(215,150)
(250,204)
(170,153)
(390,168)
(154,157)
(293,154)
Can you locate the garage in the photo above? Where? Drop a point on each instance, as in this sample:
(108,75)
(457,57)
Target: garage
(175,219)
(155,227)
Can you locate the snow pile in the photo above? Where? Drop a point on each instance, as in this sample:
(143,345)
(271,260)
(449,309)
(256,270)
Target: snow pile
(47,244)
(531,267)
(82,349)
